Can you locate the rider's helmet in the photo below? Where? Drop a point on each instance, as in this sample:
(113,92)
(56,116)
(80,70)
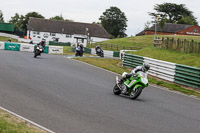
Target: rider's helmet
(145,67)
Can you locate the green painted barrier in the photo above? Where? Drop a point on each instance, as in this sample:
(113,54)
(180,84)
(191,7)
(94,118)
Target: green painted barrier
(187,75)
(130,60)
(12,46)
(46,50)
(116,54)
(59,43)
(87,50)
(73,49)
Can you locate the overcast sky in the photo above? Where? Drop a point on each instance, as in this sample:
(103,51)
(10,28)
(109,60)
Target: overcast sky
(89,11)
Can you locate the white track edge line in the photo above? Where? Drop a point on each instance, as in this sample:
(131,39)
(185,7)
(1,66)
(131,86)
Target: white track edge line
(160,87)
(29,121)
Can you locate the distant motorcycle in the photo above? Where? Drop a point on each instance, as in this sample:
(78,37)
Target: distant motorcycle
(79,52)
(99,52)
(133,86)
(38,50)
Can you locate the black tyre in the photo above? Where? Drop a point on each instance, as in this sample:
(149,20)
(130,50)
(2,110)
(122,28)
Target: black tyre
(135,94)
(102,55)
(35,53)
(116,90)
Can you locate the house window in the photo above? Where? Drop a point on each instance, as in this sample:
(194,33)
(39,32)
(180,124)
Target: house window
(68,36)
(53,34)
(36,32)
(34,36)
(195,30)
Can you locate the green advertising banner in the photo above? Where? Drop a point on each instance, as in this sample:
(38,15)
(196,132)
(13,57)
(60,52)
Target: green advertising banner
(12,46)
(46,50)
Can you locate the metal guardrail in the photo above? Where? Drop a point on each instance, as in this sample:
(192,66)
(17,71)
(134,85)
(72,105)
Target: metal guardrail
(106,52)
(186,75)
(130,60)
(161,69)
(181,74)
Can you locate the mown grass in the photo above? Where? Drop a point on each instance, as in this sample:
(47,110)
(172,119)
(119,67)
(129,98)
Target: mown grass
(148,50)
(170,56)
(114,65)
(11,124)
(5,39)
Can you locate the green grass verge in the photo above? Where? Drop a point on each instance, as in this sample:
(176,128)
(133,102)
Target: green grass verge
(11,124)
(147,49)
(114,65)
(170,56)
(5,39)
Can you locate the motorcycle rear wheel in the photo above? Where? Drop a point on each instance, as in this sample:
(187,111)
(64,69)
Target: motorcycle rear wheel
(116,90)
(135,94)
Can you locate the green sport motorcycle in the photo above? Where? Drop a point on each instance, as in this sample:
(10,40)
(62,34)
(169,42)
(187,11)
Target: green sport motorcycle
(132,86)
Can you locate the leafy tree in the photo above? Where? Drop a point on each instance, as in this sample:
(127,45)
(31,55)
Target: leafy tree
(114,21)
(187,20)
(27,16)
(172,12)
(17,20)
(1,17)
(162,24)
(57,18)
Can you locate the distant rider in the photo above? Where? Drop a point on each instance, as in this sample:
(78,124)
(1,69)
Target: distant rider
(98,49)
(42,43)
(144,68)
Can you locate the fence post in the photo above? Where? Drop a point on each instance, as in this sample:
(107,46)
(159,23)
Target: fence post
(192,46)
(199,48)
(167,43)
(184,45)
(177,47)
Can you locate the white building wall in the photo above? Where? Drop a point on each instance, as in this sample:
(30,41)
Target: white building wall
(38,36)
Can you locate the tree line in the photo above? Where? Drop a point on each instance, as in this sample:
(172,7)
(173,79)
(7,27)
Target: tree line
(115,21)
(171,13)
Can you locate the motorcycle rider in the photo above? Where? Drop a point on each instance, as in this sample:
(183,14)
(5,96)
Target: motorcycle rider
(98,49)
(82,49)
(42,43)
(144,68)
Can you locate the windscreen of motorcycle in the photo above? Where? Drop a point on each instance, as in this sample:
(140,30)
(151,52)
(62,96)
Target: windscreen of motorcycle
(144,78)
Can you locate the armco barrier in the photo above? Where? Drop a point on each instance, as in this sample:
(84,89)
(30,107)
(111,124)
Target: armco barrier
(186,75)
(162,69)
(87,50)
(93,52)
(108,53)
(181,74)
(131,60)
(116,54)
(59,43)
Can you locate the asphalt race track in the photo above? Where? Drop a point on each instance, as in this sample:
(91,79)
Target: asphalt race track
(67,96)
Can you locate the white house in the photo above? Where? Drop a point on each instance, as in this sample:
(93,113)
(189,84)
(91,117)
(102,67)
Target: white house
(65,31)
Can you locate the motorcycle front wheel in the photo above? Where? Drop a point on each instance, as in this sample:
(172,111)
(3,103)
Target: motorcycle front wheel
(135,94)
(36,53)
(116,90)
